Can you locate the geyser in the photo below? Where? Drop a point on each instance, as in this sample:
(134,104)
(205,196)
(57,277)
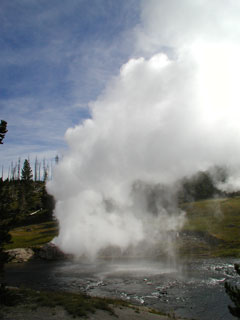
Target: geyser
(162,118)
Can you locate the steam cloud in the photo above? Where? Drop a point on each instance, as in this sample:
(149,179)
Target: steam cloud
(163,117)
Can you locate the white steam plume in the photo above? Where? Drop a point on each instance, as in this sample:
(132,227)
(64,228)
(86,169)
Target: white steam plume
(162,118)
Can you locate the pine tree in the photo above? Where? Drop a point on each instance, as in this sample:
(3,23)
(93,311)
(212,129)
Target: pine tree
(234,294)
(5,220)
(3,130)
(27,174)
(26,190)
(56,159)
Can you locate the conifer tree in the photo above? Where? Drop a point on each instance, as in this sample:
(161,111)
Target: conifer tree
(26,192)
(5,221)
(3,130)
(27,174)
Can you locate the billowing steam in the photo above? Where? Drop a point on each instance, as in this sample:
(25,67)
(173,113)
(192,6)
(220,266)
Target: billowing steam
(162,118)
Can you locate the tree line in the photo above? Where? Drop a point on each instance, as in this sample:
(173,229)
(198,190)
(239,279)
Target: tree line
(23,200)
(5,223)
(204,185)
(41,169)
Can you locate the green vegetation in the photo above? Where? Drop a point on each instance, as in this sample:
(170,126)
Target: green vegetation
(202,185)
(33,235)
(3,130)
(27,212)
(22,199)
(5,220)
(212,229)
(213,226)
(74,303)
(26,209)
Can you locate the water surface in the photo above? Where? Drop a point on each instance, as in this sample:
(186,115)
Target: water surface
(192,289)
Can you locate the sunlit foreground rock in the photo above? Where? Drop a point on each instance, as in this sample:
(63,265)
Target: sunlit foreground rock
(20,254)
(47,252)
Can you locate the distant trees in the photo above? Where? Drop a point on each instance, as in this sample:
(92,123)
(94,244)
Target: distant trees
(22,201)
(24,198)
(202,185)
(198,187)
(25,190)
(233,292)
(5,224)
(28,196)
(41,169)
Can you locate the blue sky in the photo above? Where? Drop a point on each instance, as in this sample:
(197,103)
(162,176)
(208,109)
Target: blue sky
(55,57)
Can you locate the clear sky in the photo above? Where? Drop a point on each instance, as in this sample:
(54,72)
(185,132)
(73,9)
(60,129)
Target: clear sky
(55,57)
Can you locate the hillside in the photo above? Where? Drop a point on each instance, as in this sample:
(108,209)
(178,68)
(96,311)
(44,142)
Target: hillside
(212,228)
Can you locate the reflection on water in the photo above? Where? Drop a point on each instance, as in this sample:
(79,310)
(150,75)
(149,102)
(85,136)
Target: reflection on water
(194,289)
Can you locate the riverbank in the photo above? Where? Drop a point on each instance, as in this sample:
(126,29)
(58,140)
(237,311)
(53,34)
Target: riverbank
(211,230)
(38,305)
(193,289)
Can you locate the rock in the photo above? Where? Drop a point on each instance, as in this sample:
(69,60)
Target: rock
(20,254)
(199,236)
(47,252)
(50,252)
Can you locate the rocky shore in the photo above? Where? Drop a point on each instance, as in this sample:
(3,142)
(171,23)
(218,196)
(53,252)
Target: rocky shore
(47,252)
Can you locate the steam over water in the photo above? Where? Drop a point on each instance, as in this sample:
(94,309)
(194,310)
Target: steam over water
(197,292)
(171,111)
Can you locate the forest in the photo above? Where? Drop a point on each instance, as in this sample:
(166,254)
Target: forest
(23,198)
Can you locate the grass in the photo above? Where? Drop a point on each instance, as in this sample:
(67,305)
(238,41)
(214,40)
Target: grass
(217,219)
(213,219)
(33,235)
(76,304)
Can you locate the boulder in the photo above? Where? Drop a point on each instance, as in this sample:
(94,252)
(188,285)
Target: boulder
(47,252)
(20,254)
(50,252)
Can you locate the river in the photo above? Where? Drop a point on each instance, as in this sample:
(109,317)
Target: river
(192,289)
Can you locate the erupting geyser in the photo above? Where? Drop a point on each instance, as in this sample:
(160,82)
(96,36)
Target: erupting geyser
(162,118)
